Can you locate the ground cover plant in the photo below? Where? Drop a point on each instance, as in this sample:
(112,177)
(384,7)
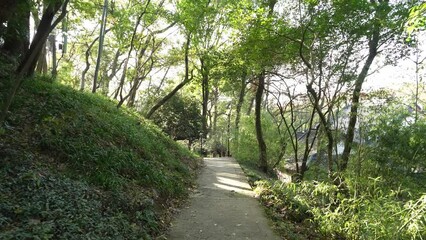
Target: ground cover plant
(74,166)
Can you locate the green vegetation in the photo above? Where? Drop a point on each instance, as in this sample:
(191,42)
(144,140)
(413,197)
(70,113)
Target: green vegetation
(383,196)
(279,84)
(180,118)
(319,210)
(74,166)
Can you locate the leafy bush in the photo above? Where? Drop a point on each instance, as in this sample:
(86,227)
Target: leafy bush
(398,145)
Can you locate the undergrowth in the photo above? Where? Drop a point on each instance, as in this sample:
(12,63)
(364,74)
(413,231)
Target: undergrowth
(290,220)
(319,210)
(73,166)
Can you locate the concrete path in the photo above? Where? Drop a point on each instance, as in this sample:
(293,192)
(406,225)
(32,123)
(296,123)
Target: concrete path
(222,208)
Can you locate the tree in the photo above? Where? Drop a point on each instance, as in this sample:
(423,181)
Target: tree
(16,15)
(206,21)
(180,118)
(263,159)
(384,27)
(28,63)
(101,45)
(187,78)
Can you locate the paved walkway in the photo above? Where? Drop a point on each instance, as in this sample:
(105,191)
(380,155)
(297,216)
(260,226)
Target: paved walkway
(222,208)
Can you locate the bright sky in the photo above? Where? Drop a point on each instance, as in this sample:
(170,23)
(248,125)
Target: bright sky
(393,77)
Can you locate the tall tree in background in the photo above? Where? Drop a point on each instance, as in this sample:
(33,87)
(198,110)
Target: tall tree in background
(263,159)
(206,21)
(101,45)
(384,29)
(186,80)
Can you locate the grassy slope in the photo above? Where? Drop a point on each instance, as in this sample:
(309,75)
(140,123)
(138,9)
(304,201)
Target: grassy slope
(73,166)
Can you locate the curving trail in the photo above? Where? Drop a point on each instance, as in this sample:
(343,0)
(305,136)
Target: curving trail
(223,207)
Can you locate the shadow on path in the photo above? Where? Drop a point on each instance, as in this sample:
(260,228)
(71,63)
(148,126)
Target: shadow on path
(223,207)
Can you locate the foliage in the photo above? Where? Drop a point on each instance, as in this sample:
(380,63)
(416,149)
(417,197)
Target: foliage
(286,210)
(75,165)
(125,169)
(383,193)
(245,147)
(180,118)
(376,214)
(398,143)
(34,203)
(417,18)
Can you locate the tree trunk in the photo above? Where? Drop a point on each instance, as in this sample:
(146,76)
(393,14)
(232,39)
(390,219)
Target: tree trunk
(215,114)
(86,69)
(250,107)
(205,90)
(41,66)
(16,37)
(101,46)
(133,90)
(27,65)
(373,44)
(326,127)
(42,61)
(263,163)
(178,87)
(108,77)
(52,40)
(309,144)
(240,102)
(122,78)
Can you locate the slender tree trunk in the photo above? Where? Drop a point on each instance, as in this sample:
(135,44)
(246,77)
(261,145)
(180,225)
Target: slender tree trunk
(119,90)
(86,69)
(326,127)
(205,90)
(309,144)
(52,39)
(179,86)
(267,86)
(27,65)
(65,36)
(122,78)
(133,91)
(250,107)
(42,61)
(263,162)
(228,134)
(108,78)
(41,66)
(373,44)
(101,46)
(215,114)
(240,102)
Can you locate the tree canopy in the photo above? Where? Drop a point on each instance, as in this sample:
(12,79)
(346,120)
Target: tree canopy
(279,84)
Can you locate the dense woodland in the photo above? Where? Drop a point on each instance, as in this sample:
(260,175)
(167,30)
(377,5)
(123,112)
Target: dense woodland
(277,84)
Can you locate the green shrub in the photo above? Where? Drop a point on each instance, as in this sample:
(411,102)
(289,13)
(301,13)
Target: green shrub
(375,214)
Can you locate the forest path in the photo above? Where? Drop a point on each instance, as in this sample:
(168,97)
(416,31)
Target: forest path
(223,207)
